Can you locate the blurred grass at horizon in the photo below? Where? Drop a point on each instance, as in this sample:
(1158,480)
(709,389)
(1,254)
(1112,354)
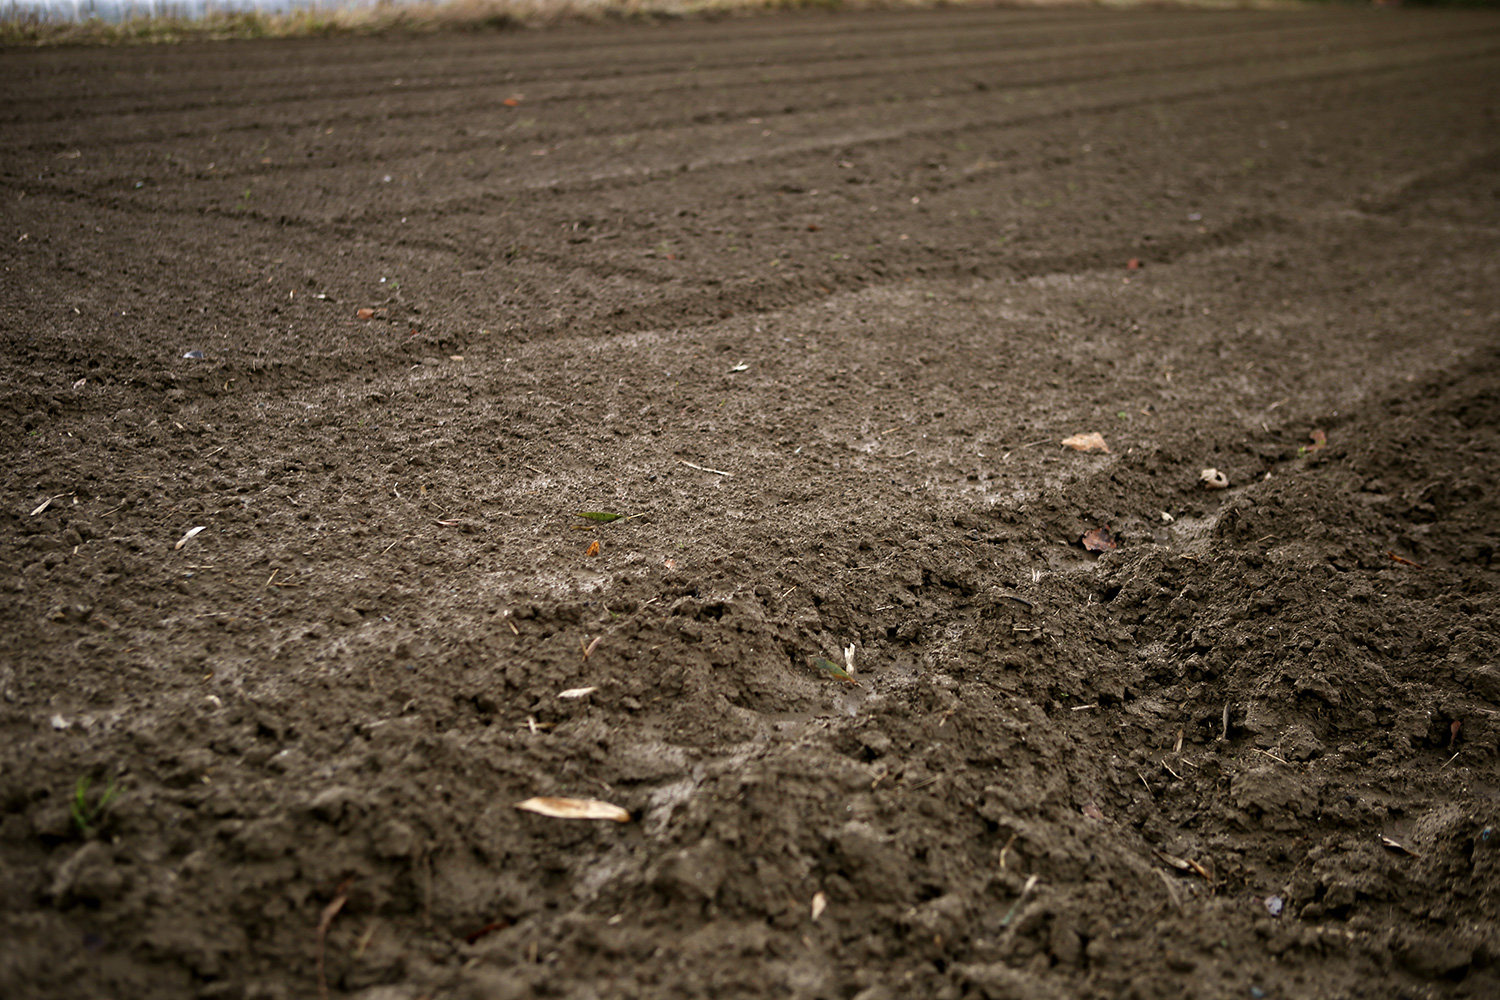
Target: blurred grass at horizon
(41,23)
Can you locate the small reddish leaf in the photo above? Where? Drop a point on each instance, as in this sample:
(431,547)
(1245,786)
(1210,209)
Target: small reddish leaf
(1319,442)
(1099,540)
(593,550)
(1133,264)
(366,314)
(511,102)
(1092,811)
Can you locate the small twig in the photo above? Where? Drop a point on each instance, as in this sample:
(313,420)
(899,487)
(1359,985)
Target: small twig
(1083,708)
(1450,760)
(786,593)
(589,649)
(1272,756)
(341,896)
(1224,734)
(390,546)
(700,468)
(1146,783)
(1025,891)
(1170,771)
(1006,849)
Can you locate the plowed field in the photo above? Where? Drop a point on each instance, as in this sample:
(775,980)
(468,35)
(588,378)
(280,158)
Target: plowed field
(812,302)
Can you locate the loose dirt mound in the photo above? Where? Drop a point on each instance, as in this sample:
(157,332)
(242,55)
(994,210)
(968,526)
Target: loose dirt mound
(813,302)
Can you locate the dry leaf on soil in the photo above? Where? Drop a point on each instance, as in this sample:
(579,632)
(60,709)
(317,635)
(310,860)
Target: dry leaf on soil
(1099,539)
(1397,846)
(1319,442)
(1184,864)
(187,537)
(575,809)
(1092,441)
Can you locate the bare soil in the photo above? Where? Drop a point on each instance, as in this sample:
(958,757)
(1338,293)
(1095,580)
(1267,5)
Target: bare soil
(872,269)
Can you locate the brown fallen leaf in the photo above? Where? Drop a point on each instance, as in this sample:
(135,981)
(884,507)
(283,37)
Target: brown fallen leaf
(1092,441)
(593,549)
(1319,442)
(486,930)
(1099,539)
(1404,562)
(1092,811)
(365,314)
(1184,864)
(575,809)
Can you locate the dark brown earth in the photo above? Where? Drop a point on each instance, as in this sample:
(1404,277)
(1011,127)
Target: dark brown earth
(874,268)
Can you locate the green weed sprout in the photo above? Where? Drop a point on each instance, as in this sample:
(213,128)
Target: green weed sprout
(86,815)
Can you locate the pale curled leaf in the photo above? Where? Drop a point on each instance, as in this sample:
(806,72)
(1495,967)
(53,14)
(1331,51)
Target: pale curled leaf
(1092,441)
(577,692)
(819,904)
(187,537)
(1213,479)
(574,809)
